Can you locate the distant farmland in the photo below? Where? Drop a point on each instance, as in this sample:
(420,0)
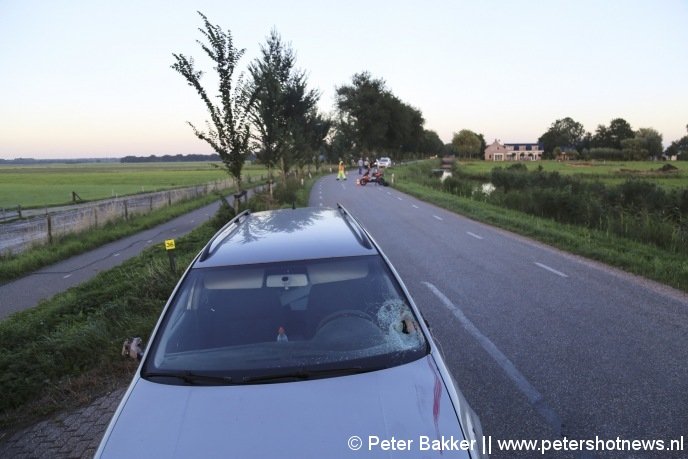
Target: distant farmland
(49,185)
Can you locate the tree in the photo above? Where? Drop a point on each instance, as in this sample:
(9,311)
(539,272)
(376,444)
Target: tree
(467,143)
(646,143)
(306,128)
(405,128)
(317,130)
(375,120)
(483,146)
(431,143)
(270,76)
(612,136)
(679,148)
(362,109)
(228,131)
(341,142)
(565,133)
(619,130)
(287,126)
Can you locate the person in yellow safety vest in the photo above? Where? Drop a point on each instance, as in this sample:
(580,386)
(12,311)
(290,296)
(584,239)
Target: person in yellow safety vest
(341,175)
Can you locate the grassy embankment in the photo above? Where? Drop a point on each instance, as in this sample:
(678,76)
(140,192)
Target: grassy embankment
(668,266)
(66,351)
(15,266)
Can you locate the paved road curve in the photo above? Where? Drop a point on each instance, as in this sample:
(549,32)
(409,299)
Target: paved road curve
(543,344)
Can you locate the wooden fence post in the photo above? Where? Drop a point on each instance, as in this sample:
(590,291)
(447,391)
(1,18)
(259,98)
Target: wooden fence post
(50,227)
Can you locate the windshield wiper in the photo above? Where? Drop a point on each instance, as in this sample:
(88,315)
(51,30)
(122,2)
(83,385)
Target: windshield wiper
(307,374)
(190,377)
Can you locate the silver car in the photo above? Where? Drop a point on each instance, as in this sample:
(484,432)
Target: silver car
(384,162)
(291,336)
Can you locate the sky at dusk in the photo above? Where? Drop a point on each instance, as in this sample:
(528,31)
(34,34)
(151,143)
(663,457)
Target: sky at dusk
(93,79)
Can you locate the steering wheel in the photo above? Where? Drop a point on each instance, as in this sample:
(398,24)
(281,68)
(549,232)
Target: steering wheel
(345,313)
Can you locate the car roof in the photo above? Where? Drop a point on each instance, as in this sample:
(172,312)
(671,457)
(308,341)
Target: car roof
(285,235)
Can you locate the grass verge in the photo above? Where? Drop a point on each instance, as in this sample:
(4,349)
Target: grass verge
(642,259)
(66,351)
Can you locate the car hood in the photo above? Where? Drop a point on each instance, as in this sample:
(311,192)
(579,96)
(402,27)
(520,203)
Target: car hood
(313,418)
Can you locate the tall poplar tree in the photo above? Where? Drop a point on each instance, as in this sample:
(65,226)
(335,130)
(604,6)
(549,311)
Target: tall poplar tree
(228,131)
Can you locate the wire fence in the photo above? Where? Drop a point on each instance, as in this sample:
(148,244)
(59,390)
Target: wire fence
(19,235)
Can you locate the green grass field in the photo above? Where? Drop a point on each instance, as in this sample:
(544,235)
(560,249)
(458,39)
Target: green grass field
(610,173)
(50,185)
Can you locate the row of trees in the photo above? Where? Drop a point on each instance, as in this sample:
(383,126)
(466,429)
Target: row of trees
(273,113)
(371,120)
(169,158)
(618,141)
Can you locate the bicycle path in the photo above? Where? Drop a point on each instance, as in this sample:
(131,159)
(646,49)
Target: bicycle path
(26,292)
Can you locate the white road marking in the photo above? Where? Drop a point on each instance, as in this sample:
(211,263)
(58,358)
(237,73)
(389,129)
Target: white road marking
(439,218)
(399,198)
(534,397)
(193,221)
(552,270)
(473,235)
(320,204)
(67,276)
(116,255)
(389,193)
(414,206)
(149,241)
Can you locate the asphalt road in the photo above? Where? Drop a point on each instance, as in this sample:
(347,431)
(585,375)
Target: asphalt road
(543,344)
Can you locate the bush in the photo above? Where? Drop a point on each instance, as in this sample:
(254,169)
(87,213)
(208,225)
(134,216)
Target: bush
(224,214)
(457,186)
(286,193)
(636,209)
(642,195)
(509,179)
(519,167)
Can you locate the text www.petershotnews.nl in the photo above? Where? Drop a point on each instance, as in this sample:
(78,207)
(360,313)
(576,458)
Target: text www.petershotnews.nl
(488,444)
